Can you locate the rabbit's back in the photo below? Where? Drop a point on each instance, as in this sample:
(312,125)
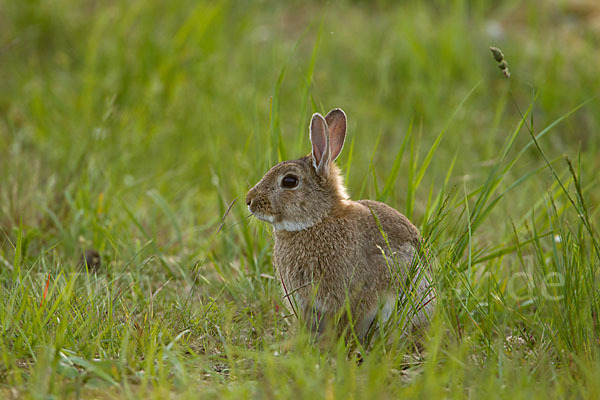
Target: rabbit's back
(399,230)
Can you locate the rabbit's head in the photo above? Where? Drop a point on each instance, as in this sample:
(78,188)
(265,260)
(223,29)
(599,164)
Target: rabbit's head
(295,195)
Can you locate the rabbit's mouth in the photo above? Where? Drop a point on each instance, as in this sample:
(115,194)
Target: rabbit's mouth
(282,225)
(263,217)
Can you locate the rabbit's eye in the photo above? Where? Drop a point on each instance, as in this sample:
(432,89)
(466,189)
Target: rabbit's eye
(289,182)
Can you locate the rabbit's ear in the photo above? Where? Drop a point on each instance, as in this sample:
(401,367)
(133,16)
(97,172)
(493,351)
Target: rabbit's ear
(319,137)
(336,121)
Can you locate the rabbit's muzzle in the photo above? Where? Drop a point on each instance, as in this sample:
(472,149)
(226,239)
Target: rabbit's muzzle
(259,206)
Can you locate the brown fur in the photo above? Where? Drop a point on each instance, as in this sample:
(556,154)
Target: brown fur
(328,249)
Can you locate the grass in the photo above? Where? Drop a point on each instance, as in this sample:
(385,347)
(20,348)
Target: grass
(136,128)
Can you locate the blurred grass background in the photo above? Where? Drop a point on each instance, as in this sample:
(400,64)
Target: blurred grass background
(131,126)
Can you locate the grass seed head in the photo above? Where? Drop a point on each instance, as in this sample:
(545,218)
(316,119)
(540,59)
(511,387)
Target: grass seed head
(502,64)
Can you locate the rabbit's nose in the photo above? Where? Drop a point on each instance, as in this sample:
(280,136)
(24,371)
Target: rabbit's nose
(251,197)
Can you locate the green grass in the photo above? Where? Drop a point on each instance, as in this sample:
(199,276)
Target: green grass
(133,127)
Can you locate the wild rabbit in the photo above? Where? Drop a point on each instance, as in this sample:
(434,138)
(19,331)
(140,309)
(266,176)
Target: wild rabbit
(330,250)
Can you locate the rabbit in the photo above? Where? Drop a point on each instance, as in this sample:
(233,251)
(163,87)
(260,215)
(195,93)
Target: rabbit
(333,254)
